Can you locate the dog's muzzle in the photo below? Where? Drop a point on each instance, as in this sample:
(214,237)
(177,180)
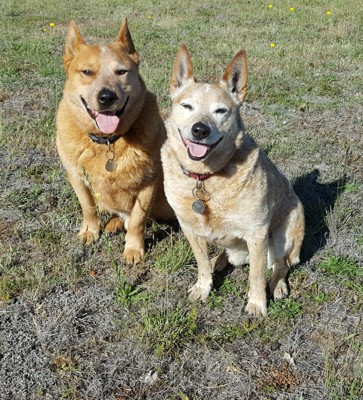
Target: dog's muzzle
(106,121)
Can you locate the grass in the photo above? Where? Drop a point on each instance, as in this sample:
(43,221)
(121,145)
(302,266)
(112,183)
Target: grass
(345,382)
(304,107)
(346,270)
(165,331)
(175,255)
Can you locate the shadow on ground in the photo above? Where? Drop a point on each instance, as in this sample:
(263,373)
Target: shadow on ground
(318,200)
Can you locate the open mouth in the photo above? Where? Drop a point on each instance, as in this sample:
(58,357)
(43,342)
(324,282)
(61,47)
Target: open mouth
(198,151)
(106,121)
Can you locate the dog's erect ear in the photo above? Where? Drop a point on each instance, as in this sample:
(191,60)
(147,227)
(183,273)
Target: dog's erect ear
(74,42)
(235,76)
(182,71)
(125,39)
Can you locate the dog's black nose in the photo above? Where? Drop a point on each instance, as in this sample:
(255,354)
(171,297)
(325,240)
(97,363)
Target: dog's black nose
(200,131)
(106,97)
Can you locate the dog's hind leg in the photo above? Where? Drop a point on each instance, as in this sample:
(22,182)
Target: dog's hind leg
(285,247)
(276,259)
(238,256)
(219,262)
(114,224)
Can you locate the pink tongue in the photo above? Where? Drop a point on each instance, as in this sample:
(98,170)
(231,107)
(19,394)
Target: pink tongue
(196,150)
(107,122)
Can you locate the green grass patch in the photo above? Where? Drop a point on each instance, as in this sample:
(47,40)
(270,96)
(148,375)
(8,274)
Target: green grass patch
(228,332)
(346,270)
(167,330)
(224,287)
(345,382)
(174,255)
(128,294)
(285,309)
(340,266)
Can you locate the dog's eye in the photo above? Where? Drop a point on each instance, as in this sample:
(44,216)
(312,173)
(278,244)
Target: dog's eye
(87,72)
(121,71)
(221,111)
(187,106)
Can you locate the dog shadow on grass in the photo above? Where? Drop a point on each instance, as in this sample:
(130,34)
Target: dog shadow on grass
(318,200)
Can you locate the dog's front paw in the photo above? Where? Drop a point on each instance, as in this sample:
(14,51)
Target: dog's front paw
(199,292)
(256,309)
(133,256)
(88,236)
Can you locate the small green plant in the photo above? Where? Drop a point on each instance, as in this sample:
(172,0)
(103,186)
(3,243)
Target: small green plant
(319,295)
(321,298)
(286,309)
(351,187)
(128,293)
(214,300)
(168,330)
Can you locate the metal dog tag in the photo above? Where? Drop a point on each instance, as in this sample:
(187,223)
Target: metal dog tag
(110,165)
(198,207)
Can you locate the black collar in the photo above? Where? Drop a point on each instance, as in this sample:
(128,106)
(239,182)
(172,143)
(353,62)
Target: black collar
(104,139)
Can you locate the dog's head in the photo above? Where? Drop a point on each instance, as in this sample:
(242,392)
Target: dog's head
(103,82)
(205,118)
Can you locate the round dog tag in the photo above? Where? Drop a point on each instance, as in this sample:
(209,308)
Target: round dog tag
(198,207)
(110,165)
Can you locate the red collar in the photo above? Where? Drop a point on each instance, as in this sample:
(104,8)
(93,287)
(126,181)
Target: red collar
(197,177)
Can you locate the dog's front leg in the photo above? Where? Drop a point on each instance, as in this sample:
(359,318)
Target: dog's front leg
(257,298)
(202,288)
(90,229)
(134,241)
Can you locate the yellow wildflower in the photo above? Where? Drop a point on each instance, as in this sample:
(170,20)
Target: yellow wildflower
(51,24)
(272,45)
(269,6)
(292,9)
(328,12)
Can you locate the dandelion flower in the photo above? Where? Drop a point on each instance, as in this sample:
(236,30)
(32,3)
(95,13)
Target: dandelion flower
(292,9)
(149,17)
(269,6)
(272,45)
(44,29)
(51,24)
(328,13)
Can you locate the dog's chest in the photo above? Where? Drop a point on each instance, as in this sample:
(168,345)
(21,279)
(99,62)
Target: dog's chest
(221,222)
(114,190)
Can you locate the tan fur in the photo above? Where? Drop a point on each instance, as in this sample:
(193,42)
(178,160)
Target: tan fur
(134,190)
(252,212)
